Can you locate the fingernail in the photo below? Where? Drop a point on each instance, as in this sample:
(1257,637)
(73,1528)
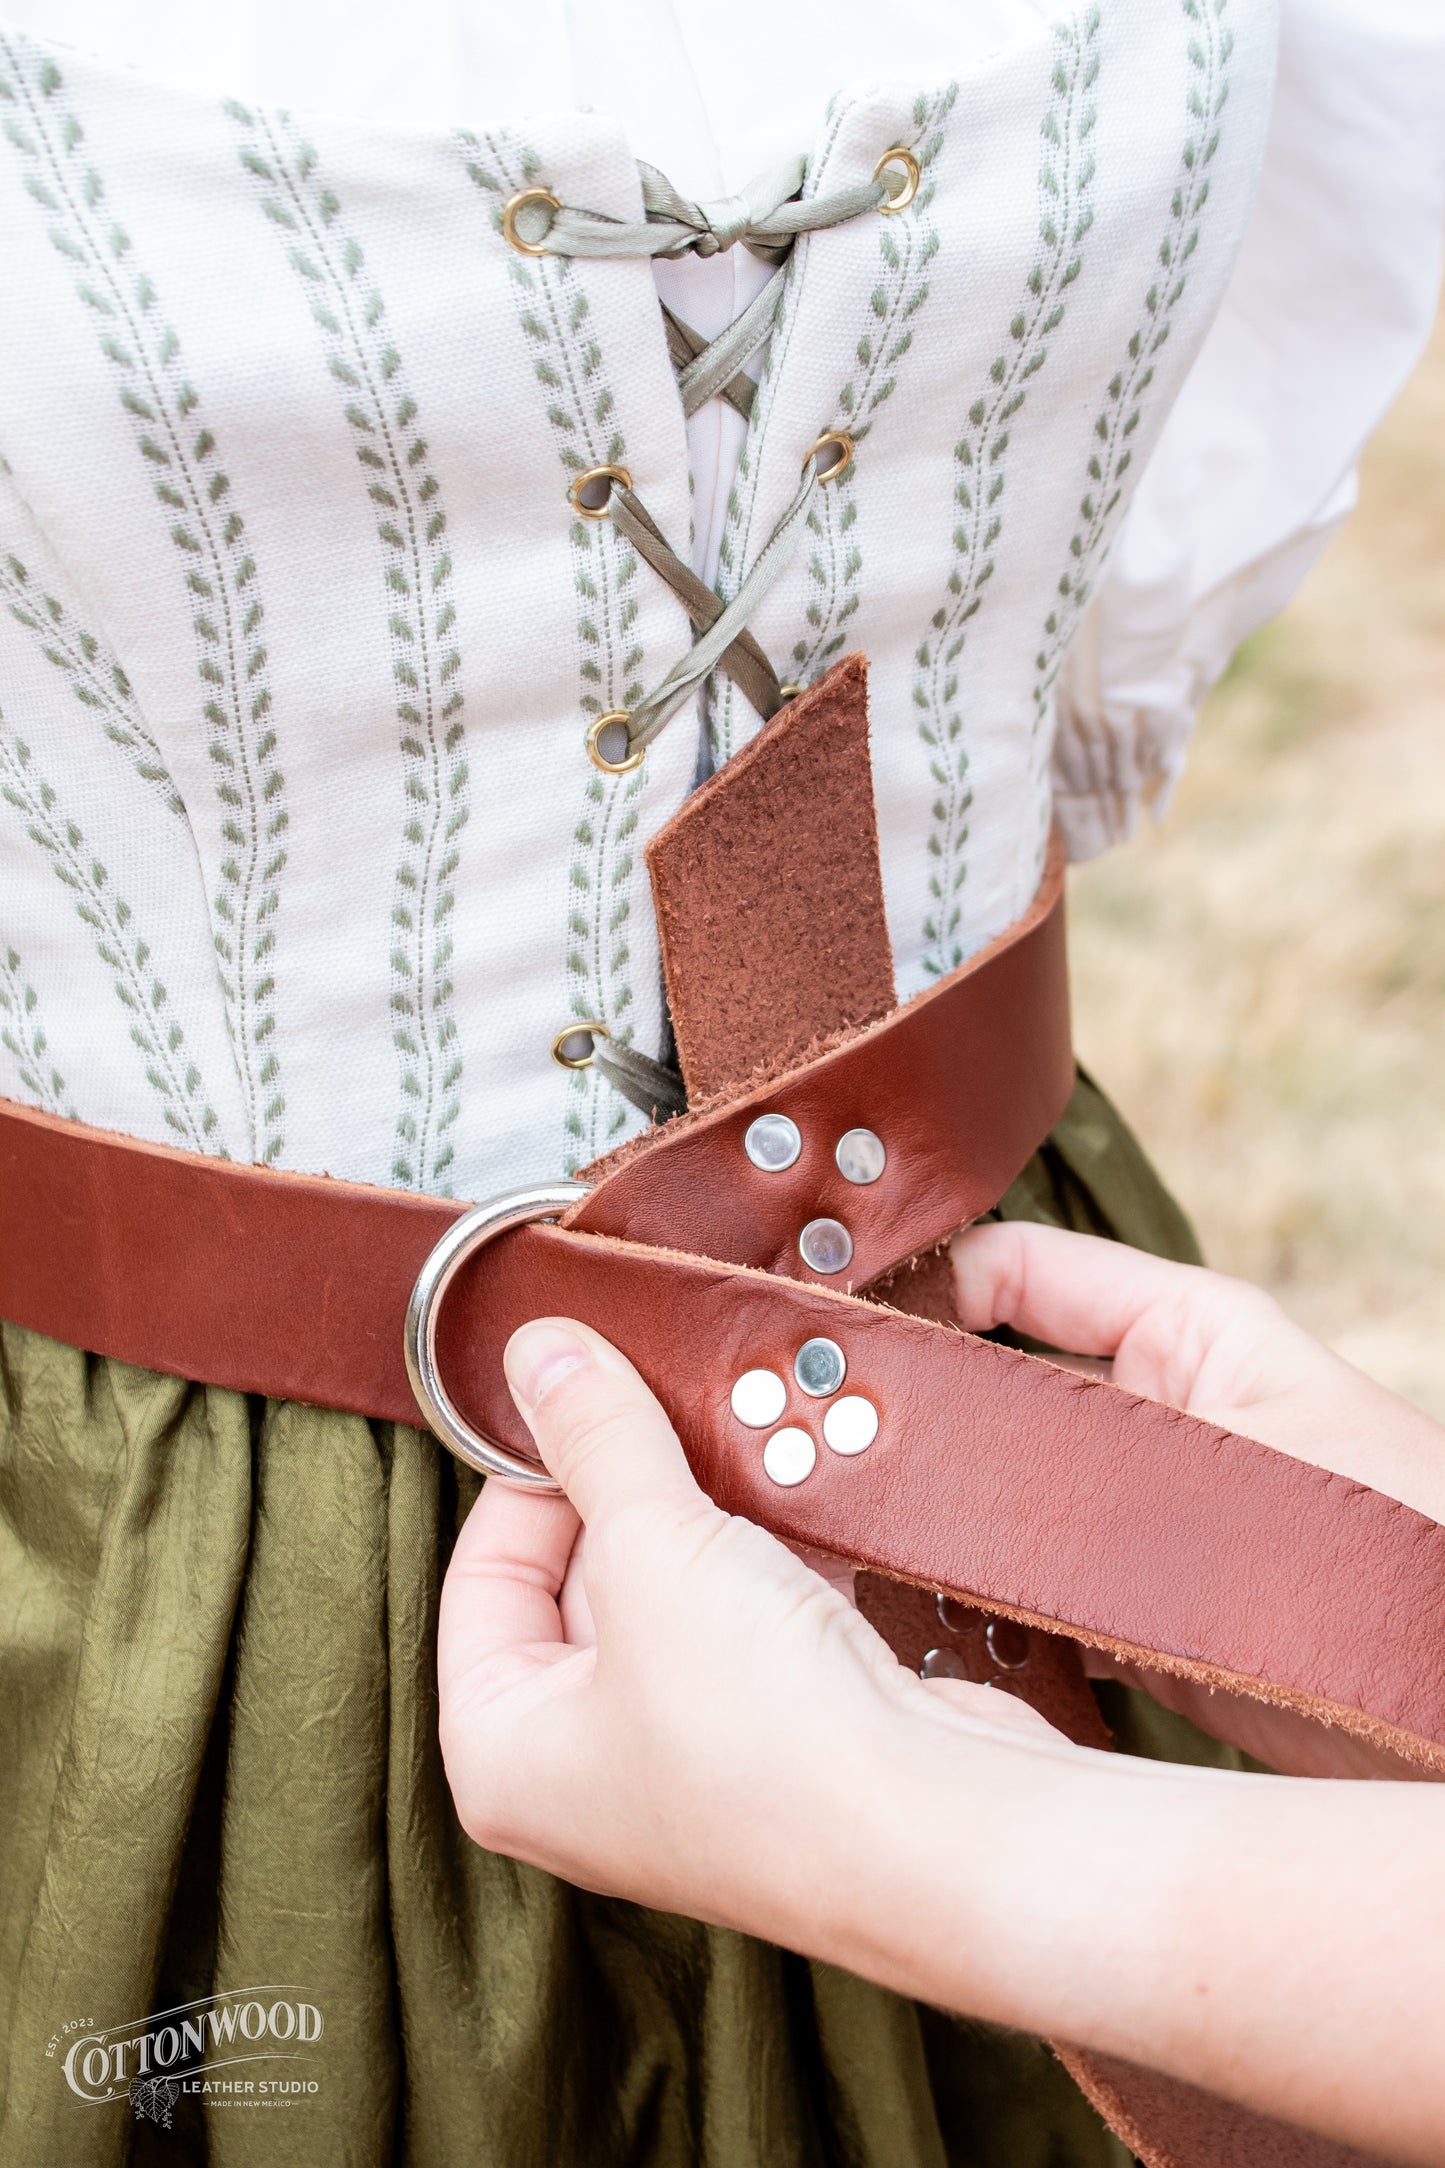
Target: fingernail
(537,1357)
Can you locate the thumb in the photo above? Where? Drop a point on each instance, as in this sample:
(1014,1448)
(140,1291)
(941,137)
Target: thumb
(597,1426)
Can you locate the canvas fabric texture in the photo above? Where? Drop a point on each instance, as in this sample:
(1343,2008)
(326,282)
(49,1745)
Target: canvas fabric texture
(302,856)
(218,1695)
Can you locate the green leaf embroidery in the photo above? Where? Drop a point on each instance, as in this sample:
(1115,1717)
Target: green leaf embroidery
(157,1035)
(23,1035)
(908,242)
(219,569)
(350,314)
(1066,176)
(96,678)
(1110,454)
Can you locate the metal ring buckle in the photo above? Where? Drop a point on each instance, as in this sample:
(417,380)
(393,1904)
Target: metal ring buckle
(635,754)
(900,199)
(462,1240)
(519,202)
(614,477)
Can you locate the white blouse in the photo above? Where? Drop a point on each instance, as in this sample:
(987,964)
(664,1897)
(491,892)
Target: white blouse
(1198,237)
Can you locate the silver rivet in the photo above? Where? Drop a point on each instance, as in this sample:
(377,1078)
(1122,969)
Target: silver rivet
(759,1398)
(825,1245)
(820,1367)
(958,1617)
(1008,1643)
(860,1156)
(943,1664)
(773,1142)
(851,1424)
(789,1456)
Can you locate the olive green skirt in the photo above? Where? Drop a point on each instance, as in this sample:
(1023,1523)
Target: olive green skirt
(219,1769)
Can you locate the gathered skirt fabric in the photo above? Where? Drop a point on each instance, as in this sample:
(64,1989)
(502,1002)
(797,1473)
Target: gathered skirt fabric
(219,1768)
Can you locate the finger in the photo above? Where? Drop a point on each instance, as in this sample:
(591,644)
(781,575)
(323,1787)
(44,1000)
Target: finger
(504,1582)
(597,1426)
(1074,1291)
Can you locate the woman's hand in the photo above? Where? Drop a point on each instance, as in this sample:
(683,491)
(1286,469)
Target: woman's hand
(665,1702)
(658,1701)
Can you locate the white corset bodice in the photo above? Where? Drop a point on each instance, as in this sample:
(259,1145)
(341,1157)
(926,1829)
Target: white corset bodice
(301,856)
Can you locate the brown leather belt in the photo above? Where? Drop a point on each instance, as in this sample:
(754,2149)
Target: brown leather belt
(995,1477)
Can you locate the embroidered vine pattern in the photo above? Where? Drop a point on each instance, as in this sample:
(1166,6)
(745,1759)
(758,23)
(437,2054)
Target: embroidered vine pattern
(1209,43)
(907,244)
(22,1034)
(209,533)
(174,1078)
(554,313)
(1066,176)
(96,678)
(405,496)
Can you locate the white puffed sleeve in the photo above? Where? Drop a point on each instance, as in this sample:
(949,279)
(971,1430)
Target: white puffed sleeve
(1331,301)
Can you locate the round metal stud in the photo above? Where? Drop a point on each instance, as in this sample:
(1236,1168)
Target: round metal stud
(1008,1643)
(837,447)
(850,1425)
(521,204)
(825,1245)
(772,1142)
(958,1617)
(903,161)
(820,1368)
(575,1044)
(466,1235)
(943,1664)
(590,494)
(609,743)
(860,1156)
(789,1456)
(759,1398)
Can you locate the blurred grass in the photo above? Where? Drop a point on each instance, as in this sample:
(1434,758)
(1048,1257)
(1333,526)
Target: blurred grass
(1260,981)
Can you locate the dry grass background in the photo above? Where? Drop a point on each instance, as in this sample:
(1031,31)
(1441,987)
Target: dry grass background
(1260,981)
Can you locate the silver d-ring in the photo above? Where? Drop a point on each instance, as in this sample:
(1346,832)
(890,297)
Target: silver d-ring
(462,1240)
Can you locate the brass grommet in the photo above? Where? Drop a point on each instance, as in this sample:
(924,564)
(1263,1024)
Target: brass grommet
(612,476)
(842,443)
(790,691)
(584,1028)
(900,198)
(519,202)
(598,758)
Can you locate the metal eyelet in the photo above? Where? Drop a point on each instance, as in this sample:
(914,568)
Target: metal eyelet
(900,198)
(462,1240)
(613,477)
(839,441)
(583,1028)
(519,202)
(595,754)
(789,691)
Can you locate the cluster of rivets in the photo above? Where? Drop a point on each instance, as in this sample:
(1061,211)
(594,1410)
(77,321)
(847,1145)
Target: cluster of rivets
(773,1142)
(825,1245)
(1006,1641)
(850,1423)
